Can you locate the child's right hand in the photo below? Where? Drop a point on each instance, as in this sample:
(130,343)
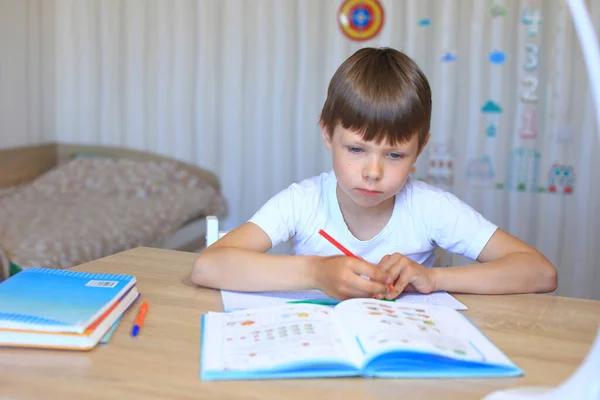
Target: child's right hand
(340,277)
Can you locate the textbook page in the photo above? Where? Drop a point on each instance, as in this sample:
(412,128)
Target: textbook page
(275,337)
(382,327)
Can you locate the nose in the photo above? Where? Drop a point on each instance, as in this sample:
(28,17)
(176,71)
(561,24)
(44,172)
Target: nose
(373,170)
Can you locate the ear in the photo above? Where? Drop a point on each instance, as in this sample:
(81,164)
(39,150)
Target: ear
(424,145)
(325,135)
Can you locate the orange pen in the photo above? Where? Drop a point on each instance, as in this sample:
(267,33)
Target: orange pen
(139,320)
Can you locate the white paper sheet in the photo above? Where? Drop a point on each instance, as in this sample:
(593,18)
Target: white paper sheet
(245,300)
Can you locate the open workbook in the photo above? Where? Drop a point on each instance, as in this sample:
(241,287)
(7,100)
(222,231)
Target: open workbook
(358,337)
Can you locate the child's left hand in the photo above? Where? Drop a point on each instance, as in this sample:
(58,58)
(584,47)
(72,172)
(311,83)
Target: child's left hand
(405,272)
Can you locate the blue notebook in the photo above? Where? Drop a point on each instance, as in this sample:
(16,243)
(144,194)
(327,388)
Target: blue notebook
(106,338)
(357,337)
(44,299)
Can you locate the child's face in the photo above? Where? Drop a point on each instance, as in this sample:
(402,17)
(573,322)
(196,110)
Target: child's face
(367,172)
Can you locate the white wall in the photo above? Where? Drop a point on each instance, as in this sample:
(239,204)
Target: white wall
(26,72)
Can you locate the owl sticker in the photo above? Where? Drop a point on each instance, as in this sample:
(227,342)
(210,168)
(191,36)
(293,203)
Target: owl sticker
(561,179)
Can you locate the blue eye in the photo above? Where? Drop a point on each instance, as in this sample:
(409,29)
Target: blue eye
(354,149)
(396,156)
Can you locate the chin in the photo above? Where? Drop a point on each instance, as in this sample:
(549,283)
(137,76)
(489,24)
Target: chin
(368,201)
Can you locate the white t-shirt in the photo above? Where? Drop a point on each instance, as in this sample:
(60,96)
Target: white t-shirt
(423,217)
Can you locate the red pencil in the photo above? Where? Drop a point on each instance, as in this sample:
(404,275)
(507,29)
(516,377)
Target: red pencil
(343,249)
(337,244)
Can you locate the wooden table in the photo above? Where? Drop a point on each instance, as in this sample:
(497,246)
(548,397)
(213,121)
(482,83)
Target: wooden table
(546,336)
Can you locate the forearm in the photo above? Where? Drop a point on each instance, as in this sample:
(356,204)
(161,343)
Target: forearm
(236,269)
(514,273)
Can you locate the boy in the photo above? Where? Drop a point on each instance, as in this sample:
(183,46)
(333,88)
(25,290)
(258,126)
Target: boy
(375,121)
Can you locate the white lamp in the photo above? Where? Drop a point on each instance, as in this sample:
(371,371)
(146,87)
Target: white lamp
(591,52)
(584,384)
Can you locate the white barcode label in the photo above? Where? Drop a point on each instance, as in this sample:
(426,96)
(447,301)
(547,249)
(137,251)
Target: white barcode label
(106,284)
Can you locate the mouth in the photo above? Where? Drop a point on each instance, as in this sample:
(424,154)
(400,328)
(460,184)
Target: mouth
(368,192)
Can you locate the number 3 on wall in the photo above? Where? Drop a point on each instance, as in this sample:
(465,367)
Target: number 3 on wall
(530,84)
(532,62)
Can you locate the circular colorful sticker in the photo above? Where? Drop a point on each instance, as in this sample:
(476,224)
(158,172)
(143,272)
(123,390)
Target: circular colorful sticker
(360,19)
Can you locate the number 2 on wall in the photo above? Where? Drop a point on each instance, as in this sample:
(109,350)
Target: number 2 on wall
(530,84)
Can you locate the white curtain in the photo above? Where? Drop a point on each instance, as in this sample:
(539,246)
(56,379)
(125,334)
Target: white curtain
(236,86)
(26,72)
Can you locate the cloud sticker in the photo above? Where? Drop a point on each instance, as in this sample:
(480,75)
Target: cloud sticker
(448,57)
(497,57)
(425,22)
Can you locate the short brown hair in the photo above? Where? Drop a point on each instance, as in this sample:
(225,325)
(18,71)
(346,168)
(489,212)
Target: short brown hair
(381,93)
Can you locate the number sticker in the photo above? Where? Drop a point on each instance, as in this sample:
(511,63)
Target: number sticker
(532,51)
(528,94)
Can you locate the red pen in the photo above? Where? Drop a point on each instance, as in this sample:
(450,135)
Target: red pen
(343,249)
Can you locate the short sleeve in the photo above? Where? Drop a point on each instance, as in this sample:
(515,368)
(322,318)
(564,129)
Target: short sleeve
(457,227)
(279,217)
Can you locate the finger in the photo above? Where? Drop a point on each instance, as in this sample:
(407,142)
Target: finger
(352,293)
(385,263)
(346,292)
(388,262)
(394,276)
(410,288)
(394,272)
(370,271)
(368,287)
(406,276)
(402,275)
(353,288)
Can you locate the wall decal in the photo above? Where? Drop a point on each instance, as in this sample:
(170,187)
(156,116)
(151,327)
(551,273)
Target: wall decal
(480,171)
(440,169)
(448,57)
(498,10)
(528,89)
(528,129)
(360,20)
(532,17)
(532,55)
(561,179)
(523,170)
(491,109)
(497,57)
(425,22)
